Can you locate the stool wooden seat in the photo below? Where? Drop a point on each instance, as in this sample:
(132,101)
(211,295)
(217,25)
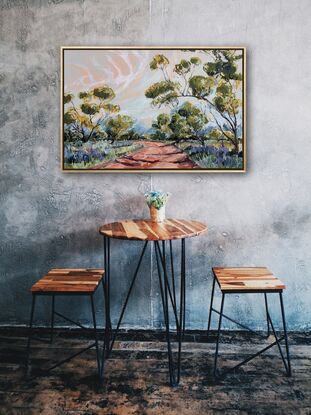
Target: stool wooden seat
(254,280)
(69,281)
(247,279)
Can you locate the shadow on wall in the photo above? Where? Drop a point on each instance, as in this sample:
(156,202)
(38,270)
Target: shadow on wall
(28,263)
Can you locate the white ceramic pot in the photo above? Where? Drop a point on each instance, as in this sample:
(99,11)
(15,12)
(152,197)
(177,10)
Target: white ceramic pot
(157,215)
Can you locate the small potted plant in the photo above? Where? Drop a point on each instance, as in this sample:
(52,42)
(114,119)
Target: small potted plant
(156,201)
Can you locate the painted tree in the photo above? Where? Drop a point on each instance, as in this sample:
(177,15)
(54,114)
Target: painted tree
(215,135)
(217,86)
(117,127)
(84,118)
(186,122)
(189,120)
(162,127)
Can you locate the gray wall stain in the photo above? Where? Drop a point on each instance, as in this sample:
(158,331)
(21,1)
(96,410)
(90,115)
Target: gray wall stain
(51,219)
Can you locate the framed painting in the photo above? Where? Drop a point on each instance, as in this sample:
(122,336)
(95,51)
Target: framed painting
(153,109)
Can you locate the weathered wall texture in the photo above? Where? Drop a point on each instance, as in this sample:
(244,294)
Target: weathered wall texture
(50,219)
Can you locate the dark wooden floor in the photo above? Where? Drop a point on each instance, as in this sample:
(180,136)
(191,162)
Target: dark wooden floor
(137,378)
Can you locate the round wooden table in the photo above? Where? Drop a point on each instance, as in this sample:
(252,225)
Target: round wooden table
(161,234)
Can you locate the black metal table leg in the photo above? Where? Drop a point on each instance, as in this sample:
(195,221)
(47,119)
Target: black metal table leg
(127,296)
(171,290)
(147,230)
(183,274)
(168,297)
(167,293)
(182,308)
(172,273)
(164,298)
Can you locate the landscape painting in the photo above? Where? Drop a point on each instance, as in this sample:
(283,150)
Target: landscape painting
(153,109)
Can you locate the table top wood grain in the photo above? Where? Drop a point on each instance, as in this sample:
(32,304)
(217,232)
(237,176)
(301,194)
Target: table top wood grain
(145,230)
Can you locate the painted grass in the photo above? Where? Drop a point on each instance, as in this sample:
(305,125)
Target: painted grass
(94,155)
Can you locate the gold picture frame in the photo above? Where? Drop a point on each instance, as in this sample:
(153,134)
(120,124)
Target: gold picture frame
(231,152)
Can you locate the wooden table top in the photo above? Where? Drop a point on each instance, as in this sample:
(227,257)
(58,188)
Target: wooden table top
(145,230)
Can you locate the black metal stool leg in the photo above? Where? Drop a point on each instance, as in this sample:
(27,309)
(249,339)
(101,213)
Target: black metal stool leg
(288,370)
(52,318)
(267,315)
(218,334)
(30,329)
(95,336)
(108,281)
(210,307)
(106,286)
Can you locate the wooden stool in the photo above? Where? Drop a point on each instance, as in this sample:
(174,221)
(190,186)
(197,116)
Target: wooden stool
(68,282)
(249,280)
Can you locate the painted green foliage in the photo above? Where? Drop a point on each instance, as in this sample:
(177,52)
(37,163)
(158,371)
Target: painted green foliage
(94,117)
(216,87)
(184,123)
(118,126)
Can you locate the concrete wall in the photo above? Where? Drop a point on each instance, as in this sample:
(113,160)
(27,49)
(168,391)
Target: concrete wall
(50,219)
